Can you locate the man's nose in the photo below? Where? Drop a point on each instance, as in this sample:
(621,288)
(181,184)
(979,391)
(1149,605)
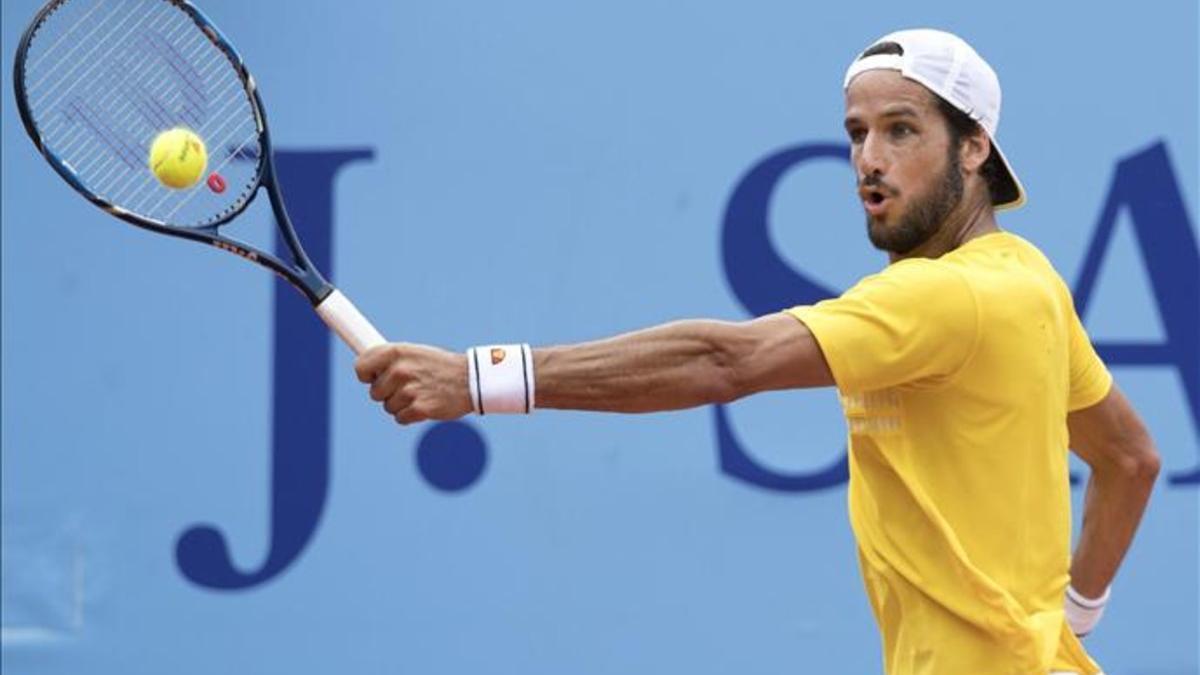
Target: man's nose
(872,157)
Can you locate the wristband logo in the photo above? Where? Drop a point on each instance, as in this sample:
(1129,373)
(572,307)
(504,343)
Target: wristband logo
(452,456)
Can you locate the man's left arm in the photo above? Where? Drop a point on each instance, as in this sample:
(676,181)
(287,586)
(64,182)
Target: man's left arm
(1111,438)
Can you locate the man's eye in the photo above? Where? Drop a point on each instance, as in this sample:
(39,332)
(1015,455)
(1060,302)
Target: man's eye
(902,130)
(857,135)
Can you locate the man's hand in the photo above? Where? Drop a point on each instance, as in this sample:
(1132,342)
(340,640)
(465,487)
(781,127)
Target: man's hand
(416,383)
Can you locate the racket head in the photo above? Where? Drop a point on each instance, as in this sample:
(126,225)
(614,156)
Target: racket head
(97,80)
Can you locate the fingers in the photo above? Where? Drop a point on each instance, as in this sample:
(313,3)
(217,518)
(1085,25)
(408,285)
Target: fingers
(397,402)
(388,382)
(415,383)
(370,363)
(382,367)
(410,414)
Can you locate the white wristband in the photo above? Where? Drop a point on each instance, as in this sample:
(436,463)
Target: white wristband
(1084,613)
(501,378)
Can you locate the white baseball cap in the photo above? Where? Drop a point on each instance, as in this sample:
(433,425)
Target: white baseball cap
(946,65)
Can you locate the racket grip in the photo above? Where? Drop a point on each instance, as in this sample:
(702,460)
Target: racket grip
(343,317)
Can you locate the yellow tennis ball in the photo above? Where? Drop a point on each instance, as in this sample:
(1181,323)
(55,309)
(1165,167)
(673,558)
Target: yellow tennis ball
(178,158)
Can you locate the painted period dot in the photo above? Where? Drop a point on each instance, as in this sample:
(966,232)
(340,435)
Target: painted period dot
(451,456)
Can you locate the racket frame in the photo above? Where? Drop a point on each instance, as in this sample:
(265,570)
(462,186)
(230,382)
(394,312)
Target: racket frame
(302,274)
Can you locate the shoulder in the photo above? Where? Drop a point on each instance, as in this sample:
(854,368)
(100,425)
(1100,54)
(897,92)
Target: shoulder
(1037,266)
(911,294)
(920,280)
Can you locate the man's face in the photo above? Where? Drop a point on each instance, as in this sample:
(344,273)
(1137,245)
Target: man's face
(908,177)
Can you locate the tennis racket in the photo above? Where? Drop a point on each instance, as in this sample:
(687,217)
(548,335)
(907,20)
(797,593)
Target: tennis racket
(98,80)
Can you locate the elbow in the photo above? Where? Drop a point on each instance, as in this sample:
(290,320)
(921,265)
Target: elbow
(1142,465)
(1149,464)
(724,395)
(727,380)
(752,356)
(726,384)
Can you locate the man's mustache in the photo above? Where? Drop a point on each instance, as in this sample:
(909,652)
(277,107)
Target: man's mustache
(874,182)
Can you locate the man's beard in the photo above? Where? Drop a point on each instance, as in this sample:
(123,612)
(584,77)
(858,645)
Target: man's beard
(924,217)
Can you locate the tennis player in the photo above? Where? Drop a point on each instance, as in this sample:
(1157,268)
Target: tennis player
(964,374)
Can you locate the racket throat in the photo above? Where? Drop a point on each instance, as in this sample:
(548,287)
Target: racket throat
(303,272)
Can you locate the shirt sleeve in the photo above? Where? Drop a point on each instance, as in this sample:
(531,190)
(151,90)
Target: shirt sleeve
(1090,379)
(917,322)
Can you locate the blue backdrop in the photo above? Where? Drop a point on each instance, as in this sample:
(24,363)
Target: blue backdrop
(194,481)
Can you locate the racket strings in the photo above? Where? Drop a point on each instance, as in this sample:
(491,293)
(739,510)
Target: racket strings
(155,105)
(104,77)
(135,79)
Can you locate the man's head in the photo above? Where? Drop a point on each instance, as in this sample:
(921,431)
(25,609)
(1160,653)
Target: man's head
(921,114)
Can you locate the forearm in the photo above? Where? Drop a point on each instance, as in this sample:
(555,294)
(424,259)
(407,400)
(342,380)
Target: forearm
(1115,500)
(676,365)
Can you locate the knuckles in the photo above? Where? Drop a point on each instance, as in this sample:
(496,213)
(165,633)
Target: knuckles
(361,371)
(395,373)
(410,413)
(377,360)
(396,403)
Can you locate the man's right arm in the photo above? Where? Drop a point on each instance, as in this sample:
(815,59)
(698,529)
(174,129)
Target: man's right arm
(668,367)
(680,365)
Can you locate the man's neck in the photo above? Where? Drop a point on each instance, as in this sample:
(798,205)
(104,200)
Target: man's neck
(973,218)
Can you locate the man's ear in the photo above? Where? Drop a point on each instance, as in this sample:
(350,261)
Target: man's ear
(974,150)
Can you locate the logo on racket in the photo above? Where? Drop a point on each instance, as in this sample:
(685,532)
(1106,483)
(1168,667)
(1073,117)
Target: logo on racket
(498,355)
(225,246)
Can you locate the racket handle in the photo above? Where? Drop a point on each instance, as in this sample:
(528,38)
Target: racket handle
(343,317)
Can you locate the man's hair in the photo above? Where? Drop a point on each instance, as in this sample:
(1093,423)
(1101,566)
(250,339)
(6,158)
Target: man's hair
(960,125)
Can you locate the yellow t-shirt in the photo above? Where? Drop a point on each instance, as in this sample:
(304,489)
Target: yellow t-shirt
(956,375)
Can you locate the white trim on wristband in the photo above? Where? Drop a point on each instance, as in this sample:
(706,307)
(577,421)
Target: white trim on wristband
(500,378)
(1084,613)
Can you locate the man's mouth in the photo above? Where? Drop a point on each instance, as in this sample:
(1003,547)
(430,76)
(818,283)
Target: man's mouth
(875,201)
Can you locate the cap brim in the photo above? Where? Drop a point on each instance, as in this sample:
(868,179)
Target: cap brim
(1012,194)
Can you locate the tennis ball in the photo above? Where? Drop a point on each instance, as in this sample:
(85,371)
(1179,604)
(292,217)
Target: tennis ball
(178,158)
